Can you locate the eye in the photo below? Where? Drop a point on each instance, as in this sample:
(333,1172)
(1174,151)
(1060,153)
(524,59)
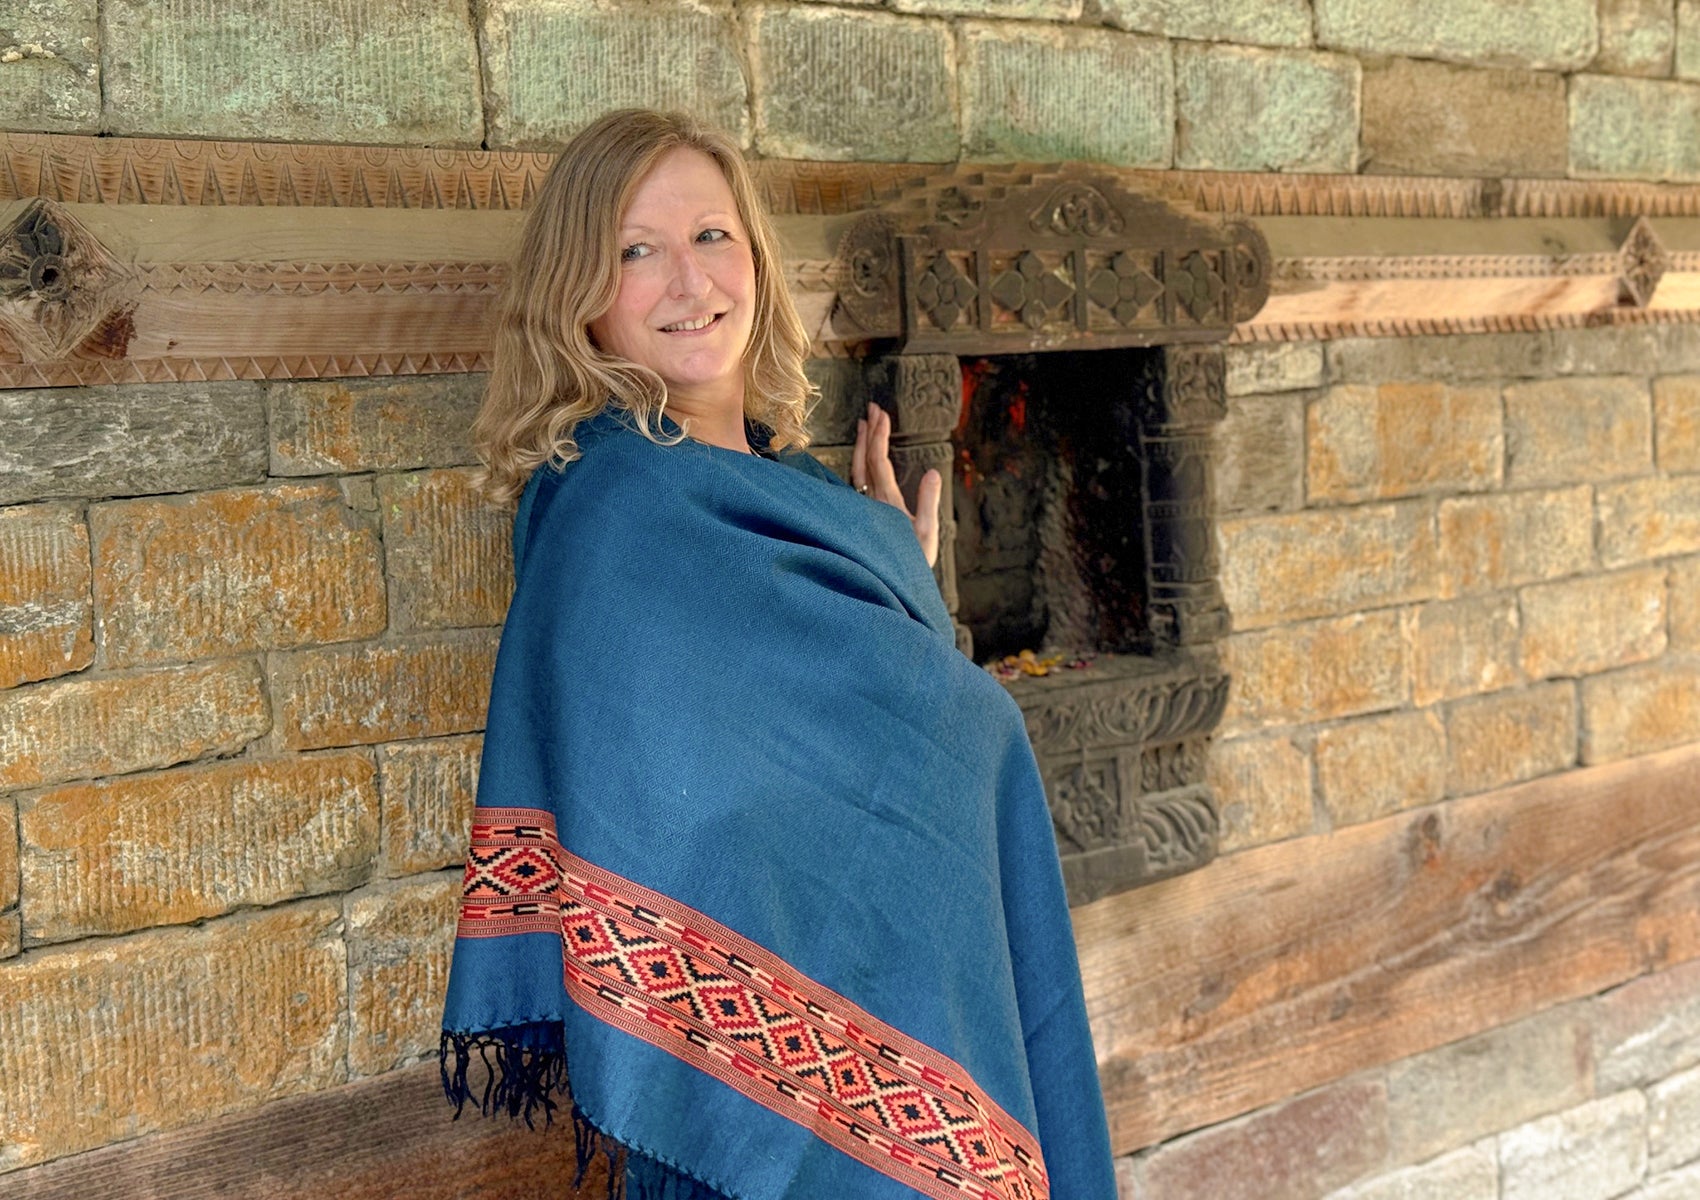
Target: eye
(713,235)
(634,252)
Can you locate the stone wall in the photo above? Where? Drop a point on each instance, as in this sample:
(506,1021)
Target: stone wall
(246,629)
(1588,88)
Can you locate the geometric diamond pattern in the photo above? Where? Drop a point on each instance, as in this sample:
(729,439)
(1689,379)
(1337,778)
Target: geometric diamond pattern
(674,977)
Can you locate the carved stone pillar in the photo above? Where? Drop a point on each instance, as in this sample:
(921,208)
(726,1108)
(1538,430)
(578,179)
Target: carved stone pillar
(923,392)
(1180,413)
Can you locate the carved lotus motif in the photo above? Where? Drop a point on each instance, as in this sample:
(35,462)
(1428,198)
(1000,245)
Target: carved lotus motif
(57,282)
(1124,287)
(943,291)
(1643,261)
(1029,289)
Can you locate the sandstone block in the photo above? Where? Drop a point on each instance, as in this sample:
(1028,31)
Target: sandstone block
(8,854)
(1492,741)
(1402,439)
(1465,647)
(552,67)
(1633,128)
(840,85)
(1581,626)
(416,687)
(1259,369)
(1678,345)
(448,549)
(1687,53)
(1257,23)
(167,1028)
(1316,671)
(1048,93)
(1647,1029)
(111,724)
(1490,542)
(1265,110)
(225,572)
(1449,1097)
(1260,454)
(1641,709)
(123,441)
(1673,1122)
(11,935)
(1676,417)
(399,936)
(1308,564)
(1468,1174)
(1542,33)
(177,846)
(325,426)
(1262,788)
(1594,1151)
(1304,1147)
(46,614)
(1562,431)
(428,789)
(1452,358)
(1636,37)
(1649,518)
(381,72)
(1430,118)
(1682,1184)
(50,67)
(1684,604)
(1036,10)
(1379,765)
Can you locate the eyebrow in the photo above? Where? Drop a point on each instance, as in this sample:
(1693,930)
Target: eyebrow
(712,216)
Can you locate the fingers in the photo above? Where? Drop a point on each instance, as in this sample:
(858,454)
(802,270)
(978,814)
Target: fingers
(927,513)
(878,459)
(859,457)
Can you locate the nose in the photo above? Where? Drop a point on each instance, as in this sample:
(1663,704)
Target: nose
(690,279)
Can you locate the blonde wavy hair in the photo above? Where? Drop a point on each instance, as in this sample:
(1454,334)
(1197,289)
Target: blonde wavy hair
(548,374)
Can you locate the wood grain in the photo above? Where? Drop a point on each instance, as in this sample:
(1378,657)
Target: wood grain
(1292,965)
(373,1140)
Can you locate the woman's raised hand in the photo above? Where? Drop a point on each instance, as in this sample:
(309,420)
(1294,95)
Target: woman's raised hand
(871,472)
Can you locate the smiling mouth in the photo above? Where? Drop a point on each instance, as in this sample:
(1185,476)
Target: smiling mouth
(692,326)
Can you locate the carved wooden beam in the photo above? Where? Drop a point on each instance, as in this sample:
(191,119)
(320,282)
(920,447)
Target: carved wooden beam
(125,259)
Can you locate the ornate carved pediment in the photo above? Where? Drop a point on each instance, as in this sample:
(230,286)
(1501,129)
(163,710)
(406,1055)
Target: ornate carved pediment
(1057,259)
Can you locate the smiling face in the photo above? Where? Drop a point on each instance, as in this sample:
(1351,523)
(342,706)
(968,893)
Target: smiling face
(687,285)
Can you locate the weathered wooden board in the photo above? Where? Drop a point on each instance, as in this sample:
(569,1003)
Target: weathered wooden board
(375,1140)
(1288,966)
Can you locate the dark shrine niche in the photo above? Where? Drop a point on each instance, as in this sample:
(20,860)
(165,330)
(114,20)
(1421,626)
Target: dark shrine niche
(1052,341)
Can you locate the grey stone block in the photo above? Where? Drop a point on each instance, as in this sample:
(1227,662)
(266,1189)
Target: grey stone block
(1030,10)
(1468,1174)
(389,71)
(1687,55)
(1243,22)
(832,84)
(1266,110)
(130,440)
(1648,1028)
(50,66)
(329,426)
(553,66)
(1536,33)
(1450,1097)
(1260,451)
(1636,37)
(1634,128)
(1429,118)
(1677,1185)
(1460,359)
(1278,367)
(1044,93)
(1673,1121)
(1595,1151)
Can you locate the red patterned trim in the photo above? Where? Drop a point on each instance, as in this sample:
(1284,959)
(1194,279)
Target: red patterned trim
(682,982)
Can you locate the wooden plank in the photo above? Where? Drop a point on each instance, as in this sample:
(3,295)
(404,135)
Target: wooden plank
(1292,965)
(373,1140)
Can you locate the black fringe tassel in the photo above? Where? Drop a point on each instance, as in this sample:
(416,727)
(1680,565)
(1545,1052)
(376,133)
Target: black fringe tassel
(522,1081)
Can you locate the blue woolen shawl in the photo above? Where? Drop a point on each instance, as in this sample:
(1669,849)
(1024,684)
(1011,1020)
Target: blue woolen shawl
(762,853)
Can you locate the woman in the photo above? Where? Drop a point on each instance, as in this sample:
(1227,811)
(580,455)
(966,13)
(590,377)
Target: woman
(755,847)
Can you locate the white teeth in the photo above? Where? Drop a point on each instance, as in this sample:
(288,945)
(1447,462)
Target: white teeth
(687,326)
